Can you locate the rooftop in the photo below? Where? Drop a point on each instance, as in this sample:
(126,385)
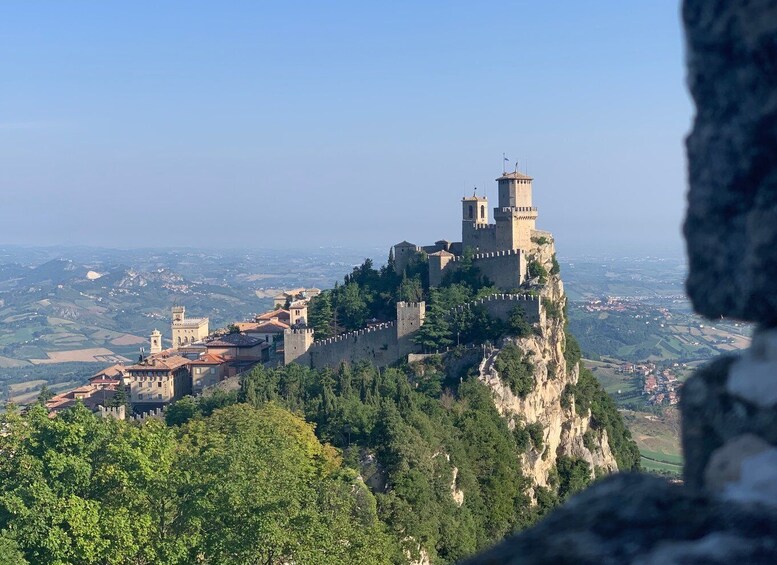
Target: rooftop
(234,340)
(158,362)
(515,175)
(209,359)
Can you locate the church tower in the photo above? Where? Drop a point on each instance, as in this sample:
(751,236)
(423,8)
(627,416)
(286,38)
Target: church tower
(156,342)
(476,233)
(515,216)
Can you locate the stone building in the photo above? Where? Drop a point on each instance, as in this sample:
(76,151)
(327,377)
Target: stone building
(158,380)
(187,330)
(498,249)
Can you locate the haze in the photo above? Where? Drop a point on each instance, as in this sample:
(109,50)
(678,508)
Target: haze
(294,124)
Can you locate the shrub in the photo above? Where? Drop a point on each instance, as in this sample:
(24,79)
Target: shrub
(516,370)
(537,270)
(536,433)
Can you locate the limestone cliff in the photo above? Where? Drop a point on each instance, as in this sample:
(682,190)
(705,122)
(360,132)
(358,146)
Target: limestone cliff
(564,432)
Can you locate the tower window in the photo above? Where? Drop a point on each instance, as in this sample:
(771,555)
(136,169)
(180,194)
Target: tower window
(482,211)
(471,212)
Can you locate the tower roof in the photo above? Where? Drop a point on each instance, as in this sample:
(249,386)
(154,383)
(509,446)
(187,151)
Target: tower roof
(515,175)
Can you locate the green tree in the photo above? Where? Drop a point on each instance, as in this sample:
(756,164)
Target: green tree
(352,307)
(411,289)
(435,333)
(321,315)
(45,395)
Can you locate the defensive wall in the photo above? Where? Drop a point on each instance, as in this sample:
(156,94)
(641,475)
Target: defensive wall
(505,269)
(387,343)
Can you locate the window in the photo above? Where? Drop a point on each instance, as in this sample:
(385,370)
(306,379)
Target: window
(159,384)
(471,212)
(482,211)
(159,396)
(140,396)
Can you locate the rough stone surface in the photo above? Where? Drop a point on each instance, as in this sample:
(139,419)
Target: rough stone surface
(731,225)
(712,416)
(725,465)
(633,518)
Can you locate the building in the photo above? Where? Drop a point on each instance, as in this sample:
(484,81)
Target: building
(158,380)
(156,341)
(100,390)
(498,249)
(270,331)
(186,330)
(240,351)
(288,296)
(208,370)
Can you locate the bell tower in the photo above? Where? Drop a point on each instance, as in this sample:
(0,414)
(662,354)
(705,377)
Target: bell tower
(156,342)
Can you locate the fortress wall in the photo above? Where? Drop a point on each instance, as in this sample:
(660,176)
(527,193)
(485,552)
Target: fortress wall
(479,236)
(501,306)
(378,345)
(505,269)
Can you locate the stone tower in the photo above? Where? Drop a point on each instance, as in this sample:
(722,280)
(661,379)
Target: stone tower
(410,316)
(179,313)
(296,342)
(515,216)
(156,342)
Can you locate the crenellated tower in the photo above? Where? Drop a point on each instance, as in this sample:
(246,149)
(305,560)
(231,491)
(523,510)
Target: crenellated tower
(515,216)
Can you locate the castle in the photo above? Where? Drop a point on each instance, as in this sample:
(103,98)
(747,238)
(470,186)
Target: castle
(499,249)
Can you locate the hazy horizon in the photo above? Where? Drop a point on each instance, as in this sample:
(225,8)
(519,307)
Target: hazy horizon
(301,126)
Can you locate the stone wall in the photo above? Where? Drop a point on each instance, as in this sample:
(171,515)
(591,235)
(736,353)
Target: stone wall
(378,345)
(387,343)
(505,269)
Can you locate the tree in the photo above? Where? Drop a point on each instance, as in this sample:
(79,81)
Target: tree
(352,307)
(321,315)
(411,289)
(45,395)
(435,333)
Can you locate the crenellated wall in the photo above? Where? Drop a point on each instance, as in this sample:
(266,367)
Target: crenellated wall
(387,343)
(505,269)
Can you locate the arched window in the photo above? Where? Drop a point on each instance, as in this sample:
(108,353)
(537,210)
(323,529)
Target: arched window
(179,340)
(471,212)
(482,211)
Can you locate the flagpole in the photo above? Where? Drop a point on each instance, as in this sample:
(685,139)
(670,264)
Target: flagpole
(504,159)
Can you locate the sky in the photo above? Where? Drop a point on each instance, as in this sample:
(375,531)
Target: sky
(309,124)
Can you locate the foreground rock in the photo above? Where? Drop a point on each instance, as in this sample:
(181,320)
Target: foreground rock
(634,518)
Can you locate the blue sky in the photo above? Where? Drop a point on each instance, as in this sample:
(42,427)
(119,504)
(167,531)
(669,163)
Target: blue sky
(258,124)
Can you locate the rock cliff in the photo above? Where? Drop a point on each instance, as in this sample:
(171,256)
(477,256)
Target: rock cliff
(564,431)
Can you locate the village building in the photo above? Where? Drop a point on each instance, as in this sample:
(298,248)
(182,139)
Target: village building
(186,330)
(207,370)
(288,296)
(158,380)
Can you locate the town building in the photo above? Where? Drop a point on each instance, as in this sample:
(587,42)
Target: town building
(207,370)
(186,330)
(158,380)
(99,391)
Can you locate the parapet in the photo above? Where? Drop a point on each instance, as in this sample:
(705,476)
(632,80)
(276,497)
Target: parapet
(299,331)
(353,334)
(490,255)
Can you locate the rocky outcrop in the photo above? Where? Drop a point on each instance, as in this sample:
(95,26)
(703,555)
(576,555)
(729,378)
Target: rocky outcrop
(731,225)
(564,431)
(726,511)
